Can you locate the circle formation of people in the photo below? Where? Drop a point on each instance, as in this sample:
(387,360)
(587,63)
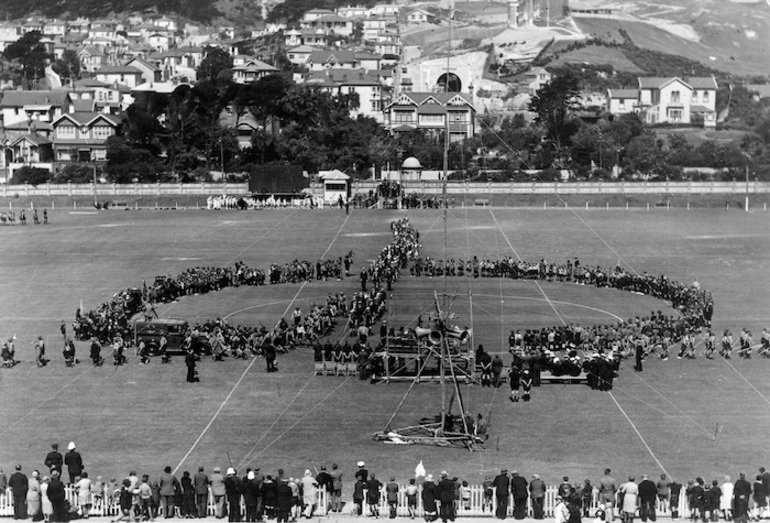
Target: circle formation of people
(567,350)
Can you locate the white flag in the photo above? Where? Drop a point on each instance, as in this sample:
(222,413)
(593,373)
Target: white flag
(419,470)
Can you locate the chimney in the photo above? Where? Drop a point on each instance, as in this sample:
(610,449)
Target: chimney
(513,13)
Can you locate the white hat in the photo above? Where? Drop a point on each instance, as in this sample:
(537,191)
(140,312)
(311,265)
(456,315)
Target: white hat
(360,463)
(231,471)
(71,446)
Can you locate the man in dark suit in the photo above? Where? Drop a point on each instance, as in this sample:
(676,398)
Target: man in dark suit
(233,490)
(57,498)
(201,485)
(54,460)
(502,485)
(19,485)
(74,462)
(446,495)
(168,485)
(520,495)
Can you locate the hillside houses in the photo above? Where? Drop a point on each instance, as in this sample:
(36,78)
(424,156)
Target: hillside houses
(668,100)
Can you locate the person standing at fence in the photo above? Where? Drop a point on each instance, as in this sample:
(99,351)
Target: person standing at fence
(33,497)
(630,492)
(429,495)
(664,492)
(19,485)
(218,491)
(411,498)
(283,497)
(74,462)
(83,486)
(336,478)
(520,494)
(45,503)
(497,370)
(145,510)
(57,497)
(125,501)
(446,496)
(251,495)
(607,490)
(309,493)
(726,501)
(537,495)
(373,487)
(54,460)
(502,484)
(391,494)
(167,489)
(560,511)
(648,493)
(676,492)
(201,486)
(741,495)
(233,493)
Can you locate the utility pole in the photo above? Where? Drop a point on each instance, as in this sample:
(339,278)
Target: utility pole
(747,186)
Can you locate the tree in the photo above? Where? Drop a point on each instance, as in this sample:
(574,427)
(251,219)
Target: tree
(216,66)
(68,66)
(31,175)
(29,54)
(75,173)
(554,103)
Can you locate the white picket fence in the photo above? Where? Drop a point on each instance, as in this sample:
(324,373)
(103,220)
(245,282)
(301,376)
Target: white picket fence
(477,508)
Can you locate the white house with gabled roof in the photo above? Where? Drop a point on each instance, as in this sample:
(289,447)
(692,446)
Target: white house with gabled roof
(667,100)
(432,112)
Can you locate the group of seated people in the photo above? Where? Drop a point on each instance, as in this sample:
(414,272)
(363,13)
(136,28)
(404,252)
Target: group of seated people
(694,304)
(110,322)
(255,201)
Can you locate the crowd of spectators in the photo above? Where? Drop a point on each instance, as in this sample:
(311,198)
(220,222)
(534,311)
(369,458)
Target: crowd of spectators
(299,200)
(255,495)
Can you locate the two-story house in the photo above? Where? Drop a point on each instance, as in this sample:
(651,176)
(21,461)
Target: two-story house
(82,136)
(92,58)
(322,59)
(622,101)
(433,112)
(704,96)
(301,54)
(664,100)
(21,107)
(329,23)
(667,100)
(120,75)
(251,71)
(149,71)
(366,87)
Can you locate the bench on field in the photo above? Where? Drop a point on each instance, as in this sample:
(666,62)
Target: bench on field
(483,202)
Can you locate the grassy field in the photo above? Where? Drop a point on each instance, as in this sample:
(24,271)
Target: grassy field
(146,417)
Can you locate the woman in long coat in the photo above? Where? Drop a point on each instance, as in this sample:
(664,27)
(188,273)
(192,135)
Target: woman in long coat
(429,499)
(47,506)
(630,493)
(33,497)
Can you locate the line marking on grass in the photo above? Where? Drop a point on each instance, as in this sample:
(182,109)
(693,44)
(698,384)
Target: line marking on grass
(49,398)
(639,434)
(299,420)
(656,391)
(751,385)
(558,314)
(246,457)
(243,375)
(216,414)
(252,244)
(260,305)
(260,237)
